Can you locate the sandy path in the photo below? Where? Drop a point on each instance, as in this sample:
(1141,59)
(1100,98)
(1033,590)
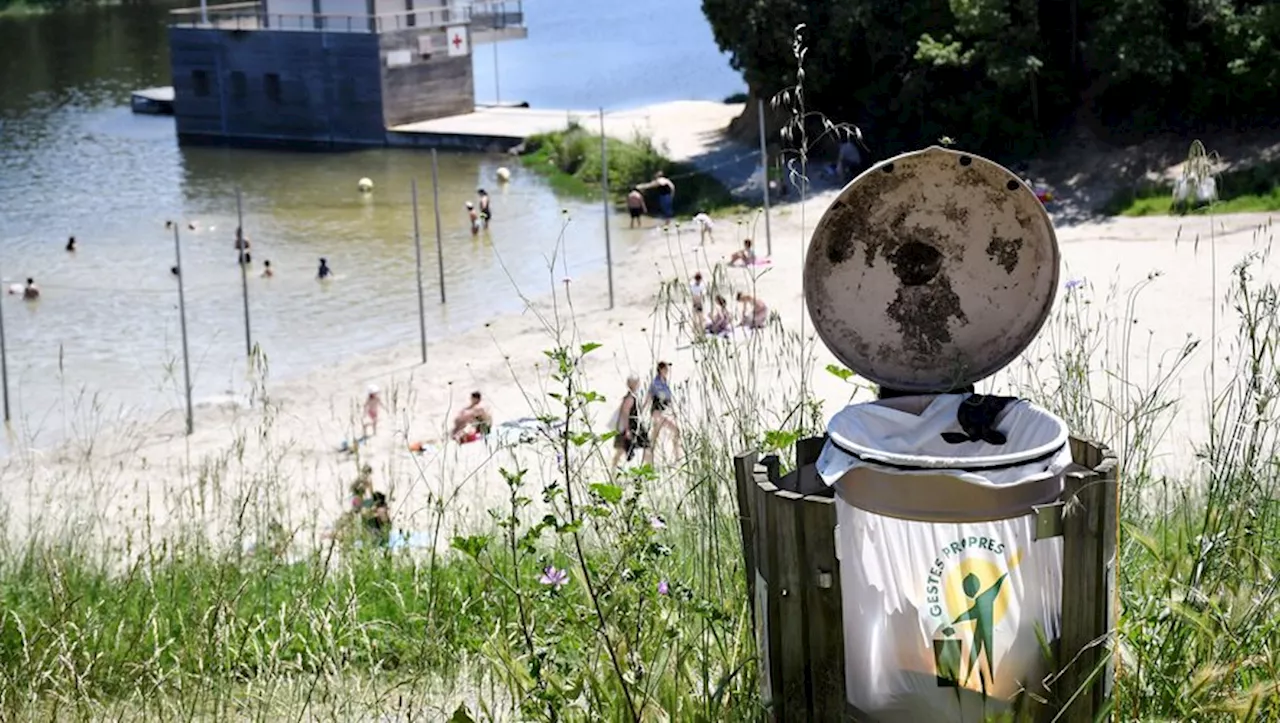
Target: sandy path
(246,464)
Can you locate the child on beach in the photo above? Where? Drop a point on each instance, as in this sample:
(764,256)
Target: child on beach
(473,217)
(636,207)
(372,405)
(755,313)
(705,227)
(721,324)
(696,294)
(746,256)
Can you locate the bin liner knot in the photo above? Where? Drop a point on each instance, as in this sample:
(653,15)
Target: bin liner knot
(977,417)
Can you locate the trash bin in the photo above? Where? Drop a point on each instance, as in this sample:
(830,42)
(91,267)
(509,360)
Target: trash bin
(930,272)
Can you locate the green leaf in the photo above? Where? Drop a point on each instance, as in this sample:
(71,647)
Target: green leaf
(609,493)
(840,372)
(590,347)
(472,545)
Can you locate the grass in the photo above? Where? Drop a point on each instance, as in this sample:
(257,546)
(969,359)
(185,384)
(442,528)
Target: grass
(570,160)
(1248,190)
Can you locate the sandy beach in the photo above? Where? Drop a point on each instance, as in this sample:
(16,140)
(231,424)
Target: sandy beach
(279,459)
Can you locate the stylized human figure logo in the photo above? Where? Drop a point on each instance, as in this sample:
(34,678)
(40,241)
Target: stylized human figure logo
(982,614)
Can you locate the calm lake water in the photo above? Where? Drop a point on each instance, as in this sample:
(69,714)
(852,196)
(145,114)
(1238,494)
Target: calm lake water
(75,161)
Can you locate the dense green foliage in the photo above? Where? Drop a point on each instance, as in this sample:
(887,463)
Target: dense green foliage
(571,159)
(1003,76)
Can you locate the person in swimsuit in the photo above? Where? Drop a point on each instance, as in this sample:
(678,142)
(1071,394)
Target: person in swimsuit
(755,313)
(324,272)
(636,207)
(473,217)
(474,417)
(705,227)
(660,411)
(485,214)
(630,435)
(372,405)
(30,292)
(696,294)
(71,245)
(267,272)
(242,241)
(721,324)
(746,256)
(666,195)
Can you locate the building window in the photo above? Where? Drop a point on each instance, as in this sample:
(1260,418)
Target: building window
(239,86)
(271,85)
(200,83)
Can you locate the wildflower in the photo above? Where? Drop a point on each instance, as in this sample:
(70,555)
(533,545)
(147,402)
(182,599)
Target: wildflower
(1074,284)
(663,588)
(657,523)
(554,578)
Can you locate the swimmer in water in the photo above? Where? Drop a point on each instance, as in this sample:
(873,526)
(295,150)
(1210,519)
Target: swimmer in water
(485,215)
(242,241)
(30,292)
(324,272)
(474,218)
(173,270)
(267,272)
(71,244)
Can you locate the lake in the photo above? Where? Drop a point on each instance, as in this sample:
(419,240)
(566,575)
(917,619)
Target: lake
(103,341)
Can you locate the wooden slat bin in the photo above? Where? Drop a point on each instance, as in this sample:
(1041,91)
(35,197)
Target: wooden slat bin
(793,578)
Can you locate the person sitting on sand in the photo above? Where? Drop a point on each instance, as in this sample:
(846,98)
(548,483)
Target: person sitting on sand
(705,227)
(755,313)
(636,207)
(30,292)
(372,405)
(721,324)
(473,418)
(325,272)
(746,256)
(71,245)
(267,271)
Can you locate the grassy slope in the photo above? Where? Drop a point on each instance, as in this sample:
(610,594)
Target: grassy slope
(1253,189)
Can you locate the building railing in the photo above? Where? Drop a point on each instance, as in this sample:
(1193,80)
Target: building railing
(483,14)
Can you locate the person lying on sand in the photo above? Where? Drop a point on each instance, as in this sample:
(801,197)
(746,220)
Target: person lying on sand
(746,256)
(473,418)
(755,313)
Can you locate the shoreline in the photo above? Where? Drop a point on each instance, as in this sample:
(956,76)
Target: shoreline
(150,472)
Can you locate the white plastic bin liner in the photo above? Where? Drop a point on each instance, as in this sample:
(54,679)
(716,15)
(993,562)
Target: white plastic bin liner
(894,440)
(920,596)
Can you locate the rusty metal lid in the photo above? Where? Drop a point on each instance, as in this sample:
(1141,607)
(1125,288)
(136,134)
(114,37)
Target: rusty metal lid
(931,270)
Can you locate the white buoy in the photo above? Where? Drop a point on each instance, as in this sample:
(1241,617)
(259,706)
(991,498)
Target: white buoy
(504,174)
(365,185)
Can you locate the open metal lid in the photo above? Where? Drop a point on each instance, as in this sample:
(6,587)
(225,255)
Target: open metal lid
(931,270)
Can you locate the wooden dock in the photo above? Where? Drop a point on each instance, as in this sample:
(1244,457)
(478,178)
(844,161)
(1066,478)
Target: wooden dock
(152,101)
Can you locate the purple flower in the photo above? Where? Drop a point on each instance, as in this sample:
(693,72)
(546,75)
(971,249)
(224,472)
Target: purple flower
(657,523)
(555,578)
(663,588)
(1074,284)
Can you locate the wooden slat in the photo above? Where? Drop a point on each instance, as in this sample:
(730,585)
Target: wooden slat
(767,619)
(1108,469)
(823,611)
(743,465)
(787,595)
(1089,525)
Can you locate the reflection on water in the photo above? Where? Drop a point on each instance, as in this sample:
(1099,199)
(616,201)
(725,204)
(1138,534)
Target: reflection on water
(75,161)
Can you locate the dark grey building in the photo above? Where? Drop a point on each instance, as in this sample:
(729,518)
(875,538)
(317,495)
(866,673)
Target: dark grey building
(327,72)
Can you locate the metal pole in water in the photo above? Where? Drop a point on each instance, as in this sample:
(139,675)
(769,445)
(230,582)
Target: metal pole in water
(417,248)
(4,369)
(435,196)
(764,181)
(244,274)
(604,190)
(497,94)
(182,320)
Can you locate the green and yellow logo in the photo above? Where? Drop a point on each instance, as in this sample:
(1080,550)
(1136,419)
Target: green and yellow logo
(966,597)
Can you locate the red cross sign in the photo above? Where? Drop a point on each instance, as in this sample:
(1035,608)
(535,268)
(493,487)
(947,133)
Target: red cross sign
(457,40)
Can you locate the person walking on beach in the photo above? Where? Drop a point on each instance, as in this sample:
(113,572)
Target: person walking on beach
(485,214)
(746,256)
(372,405)
(636,207)
(630,435)
(697,293)
(325,272)
(267,272)
(705,227)
(30,292)
(473,217)
(666,190)
(661,415)
(755,313)
(71,245)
